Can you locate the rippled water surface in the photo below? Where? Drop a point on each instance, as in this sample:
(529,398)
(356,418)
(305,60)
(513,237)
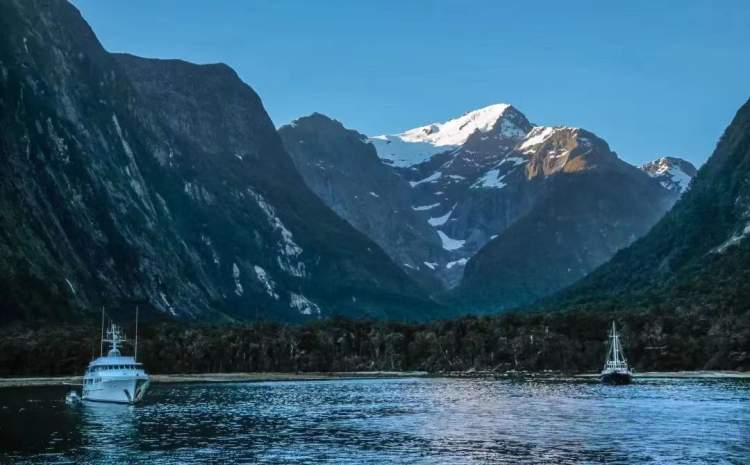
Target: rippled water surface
(424,421)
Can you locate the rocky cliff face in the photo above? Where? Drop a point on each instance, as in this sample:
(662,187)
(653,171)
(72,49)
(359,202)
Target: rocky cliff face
(344,170)
(162,183)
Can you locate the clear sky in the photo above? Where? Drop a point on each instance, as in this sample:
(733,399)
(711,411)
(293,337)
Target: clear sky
(650,77)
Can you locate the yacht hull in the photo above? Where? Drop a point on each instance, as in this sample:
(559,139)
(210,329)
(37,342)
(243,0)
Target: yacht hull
(121,391)
(616,378)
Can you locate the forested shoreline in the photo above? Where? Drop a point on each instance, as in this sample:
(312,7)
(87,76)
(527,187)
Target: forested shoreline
(570,342)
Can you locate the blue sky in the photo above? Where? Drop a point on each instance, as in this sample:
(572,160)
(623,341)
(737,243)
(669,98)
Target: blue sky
(650,77)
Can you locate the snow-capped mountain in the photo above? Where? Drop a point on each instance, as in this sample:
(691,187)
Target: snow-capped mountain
(486,178)
(673,173)
(419,144)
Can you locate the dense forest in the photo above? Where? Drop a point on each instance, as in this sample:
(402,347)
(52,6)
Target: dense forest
(570,342)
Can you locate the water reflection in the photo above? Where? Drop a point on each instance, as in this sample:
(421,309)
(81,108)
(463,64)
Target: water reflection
(109,432)
(430,421)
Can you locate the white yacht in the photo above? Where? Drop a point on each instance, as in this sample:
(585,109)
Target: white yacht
(115,377)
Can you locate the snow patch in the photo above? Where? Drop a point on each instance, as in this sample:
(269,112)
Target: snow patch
(125,145)
(266,281)
(460,262)
(450,243)
(431,178)
(289,251)
(536,136)
(236,276)
(167,305)
(208,243)
(374,195)
(431,265)
(419,144)
(441,220)
(396,152)
(491,180)
(303,305)
(422,208)
(735,239)
(515,160)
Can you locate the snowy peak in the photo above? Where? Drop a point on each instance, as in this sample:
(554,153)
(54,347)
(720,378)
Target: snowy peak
(672,173)
(455,132)
(419,144)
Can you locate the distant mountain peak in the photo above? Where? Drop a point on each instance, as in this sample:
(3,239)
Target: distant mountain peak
(416,145)
(456,131)
(672,172)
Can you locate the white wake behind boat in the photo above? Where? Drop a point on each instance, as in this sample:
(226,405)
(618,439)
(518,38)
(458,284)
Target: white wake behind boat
(115,377)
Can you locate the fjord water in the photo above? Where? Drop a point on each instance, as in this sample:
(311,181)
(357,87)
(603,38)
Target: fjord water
(422,421)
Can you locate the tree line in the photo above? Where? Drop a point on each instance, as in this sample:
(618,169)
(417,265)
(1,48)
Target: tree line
(571,342)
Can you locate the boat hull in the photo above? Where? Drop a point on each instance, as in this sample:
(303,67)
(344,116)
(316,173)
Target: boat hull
(616,378)
(120,391)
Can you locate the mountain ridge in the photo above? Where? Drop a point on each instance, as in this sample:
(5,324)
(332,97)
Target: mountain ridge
(164,184)
(685,259)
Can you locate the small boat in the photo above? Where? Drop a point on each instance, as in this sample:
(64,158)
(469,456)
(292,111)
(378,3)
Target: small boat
(115,377)
(616,369)
(72,398)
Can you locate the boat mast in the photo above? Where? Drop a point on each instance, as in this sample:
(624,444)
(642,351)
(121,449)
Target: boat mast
(615,345)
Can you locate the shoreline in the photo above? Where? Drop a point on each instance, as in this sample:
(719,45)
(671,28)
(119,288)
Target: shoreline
(697,374)
(181,378)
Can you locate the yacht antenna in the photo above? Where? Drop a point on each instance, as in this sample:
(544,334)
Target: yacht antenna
(135,355)
(101,339)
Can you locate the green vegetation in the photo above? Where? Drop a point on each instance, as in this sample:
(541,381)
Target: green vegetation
(662,339)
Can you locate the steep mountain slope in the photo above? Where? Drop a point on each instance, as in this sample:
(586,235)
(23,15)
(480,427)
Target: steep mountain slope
(161,182)
(589,204)
(344,170)
(698,255)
